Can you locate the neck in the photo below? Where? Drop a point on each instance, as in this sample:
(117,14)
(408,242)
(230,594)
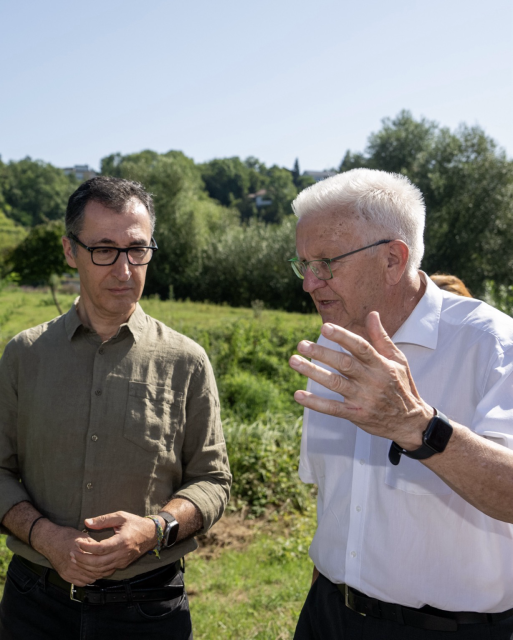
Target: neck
(401,301)
(104,325)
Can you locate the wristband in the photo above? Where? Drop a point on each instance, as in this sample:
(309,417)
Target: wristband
(160,534)
(32,527)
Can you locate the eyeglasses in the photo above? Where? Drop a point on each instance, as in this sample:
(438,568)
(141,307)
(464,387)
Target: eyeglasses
(322,268)
(105,256)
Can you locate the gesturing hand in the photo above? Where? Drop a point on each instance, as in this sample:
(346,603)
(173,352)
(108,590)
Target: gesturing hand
(379,394)
(132,537)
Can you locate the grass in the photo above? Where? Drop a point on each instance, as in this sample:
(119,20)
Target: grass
(248,594)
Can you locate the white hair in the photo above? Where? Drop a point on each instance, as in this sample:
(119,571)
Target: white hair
(388,201)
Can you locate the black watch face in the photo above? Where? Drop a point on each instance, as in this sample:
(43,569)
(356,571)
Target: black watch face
(438,434)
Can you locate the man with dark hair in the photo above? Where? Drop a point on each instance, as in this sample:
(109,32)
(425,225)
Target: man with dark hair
(112,455)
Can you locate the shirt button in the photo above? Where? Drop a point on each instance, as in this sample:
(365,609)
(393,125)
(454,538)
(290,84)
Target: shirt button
(89,485)
(353,554)
(358,508)
(101,351)
(362,461)
(98,392)
(94,438)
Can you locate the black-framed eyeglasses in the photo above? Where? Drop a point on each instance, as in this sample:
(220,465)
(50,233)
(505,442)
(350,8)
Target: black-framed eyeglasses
(106,256)
(322,268)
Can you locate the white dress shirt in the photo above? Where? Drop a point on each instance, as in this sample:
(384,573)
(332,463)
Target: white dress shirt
(399,533)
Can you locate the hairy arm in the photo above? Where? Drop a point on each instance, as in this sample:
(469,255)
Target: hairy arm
(54,542)
(133,537)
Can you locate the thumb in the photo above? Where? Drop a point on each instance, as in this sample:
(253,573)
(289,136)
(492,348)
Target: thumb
(106,521)
(380,339)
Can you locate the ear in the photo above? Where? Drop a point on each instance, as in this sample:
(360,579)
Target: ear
(68,253)
(397,259)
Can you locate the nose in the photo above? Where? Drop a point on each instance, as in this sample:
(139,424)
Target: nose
(311,282)
(122,269)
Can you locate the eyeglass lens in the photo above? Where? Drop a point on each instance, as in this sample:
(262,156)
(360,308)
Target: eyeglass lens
(106,256)
(319,268)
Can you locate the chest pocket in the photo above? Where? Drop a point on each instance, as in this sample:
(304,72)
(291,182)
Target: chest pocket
(153,416)
(413,477)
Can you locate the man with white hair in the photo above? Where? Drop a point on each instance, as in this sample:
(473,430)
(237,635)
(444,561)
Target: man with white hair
(408,438)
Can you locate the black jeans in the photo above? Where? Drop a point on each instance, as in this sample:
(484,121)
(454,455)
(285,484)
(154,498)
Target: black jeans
(33,609)
(326,617)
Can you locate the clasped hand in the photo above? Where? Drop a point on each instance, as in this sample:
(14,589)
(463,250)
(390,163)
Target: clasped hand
(379,394)
(132,537)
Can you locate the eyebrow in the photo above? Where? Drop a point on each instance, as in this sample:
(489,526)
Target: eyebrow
(134,243)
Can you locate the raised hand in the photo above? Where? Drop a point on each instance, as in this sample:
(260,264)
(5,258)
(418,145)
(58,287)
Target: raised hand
(374,378)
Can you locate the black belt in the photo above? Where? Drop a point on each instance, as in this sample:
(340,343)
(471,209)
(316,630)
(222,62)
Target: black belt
(142,588)
(425,618)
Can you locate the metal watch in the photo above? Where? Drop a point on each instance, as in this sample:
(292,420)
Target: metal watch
(434,440)
(170,530)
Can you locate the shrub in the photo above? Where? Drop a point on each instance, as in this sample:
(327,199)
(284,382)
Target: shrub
(264,458)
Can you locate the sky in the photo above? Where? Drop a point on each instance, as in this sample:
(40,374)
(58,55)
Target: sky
(274,79)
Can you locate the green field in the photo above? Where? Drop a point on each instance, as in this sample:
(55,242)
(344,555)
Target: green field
(250,579)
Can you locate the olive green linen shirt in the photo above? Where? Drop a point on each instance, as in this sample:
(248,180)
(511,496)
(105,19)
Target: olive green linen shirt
(90,427)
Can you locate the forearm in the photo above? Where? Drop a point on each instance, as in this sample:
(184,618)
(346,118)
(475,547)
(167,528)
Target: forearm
(479,470)
(187,515)
(19,519)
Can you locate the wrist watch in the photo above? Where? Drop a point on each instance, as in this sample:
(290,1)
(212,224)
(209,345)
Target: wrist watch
(434,440)
(170,530)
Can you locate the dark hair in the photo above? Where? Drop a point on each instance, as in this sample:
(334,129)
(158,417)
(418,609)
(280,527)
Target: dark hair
(113,193)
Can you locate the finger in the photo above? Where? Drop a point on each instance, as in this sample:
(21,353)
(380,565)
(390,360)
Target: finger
(380,339)
(105,521)
(385,347)
(98,565)
(328,379)
(325,405)
(356,345)
(343,362)
(102,547)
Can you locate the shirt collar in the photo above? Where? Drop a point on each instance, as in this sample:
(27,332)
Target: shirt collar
(135,323)
(421,326)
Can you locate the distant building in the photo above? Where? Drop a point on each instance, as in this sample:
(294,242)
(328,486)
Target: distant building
(80,171)
(319,175)
(259,198)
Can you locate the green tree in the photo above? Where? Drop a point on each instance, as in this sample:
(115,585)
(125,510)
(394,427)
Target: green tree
(467,182)
(11,234)
(39,258)
(35,191)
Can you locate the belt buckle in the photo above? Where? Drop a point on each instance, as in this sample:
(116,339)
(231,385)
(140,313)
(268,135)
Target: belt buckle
(72,594)
(348,605)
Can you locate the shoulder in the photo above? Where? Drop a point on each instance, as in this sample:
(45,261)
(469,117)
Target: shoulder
(169,342)
(477,320)
(30,338)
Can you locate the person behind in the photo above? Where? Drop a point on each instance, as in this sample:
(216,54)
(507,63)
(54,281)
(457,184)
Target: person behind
(451,283)
(413,462)
(112,454)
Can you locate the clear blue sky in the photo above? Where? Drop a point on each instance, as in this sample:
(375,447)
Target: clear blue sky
(277,79)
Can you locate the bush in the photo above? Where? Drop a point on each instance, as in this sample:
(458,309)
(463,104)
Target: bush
(264,458)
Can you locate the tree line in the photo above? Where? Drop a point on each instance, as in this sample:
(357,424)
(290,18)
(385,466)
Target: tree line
(225,228)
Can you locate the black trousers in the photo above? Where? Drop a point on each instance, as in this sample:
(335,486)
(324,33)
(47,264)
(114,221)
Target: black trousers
(325,617)
(33,609)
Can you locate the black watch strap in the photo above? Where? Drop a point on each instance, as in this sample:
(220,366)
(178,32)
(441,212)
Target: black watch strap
(170,530)
(434,440)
